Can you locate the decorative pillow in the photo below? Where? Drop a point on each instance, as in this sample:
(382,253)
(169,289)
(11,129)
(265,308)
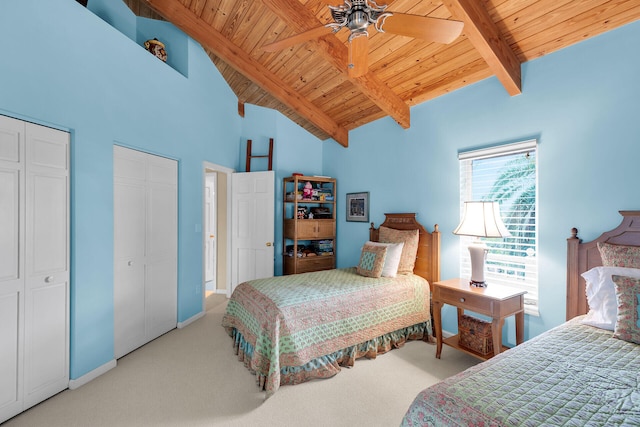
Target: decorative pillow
(619,255)
(392,259)
(601,295)
(371,260)
(409,250)
(628,323)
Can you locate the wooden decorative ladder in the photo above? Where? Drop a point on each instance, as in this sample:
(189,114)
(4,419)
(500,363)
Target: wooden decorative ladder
(265,156)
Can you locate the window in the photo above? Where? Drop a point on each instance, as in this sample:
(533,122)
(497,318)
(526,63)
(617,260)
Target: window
(506,174)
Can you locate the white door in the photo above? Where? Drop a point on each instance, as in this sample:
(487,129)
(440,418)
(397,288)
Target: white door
(210,228)
(129,220)
(11,265)
(161,281)
(145,248)
(252,226)
(47,264)
(34,264)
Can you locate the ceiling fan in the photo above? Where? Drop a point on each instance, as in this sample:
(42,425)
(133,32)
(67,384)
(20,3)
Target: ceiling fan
(358,15)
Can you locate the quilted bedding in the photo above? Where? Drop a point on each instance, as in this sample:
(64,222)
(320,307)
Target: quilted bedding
(572,375)
(291,329)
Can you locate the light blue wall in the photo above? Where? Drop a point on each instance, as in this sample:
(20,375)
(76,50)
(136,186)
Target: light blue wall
(64,66)
(582,105)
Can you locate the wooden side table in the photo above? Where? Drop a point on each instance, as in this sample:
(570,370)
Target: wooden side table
(495,301)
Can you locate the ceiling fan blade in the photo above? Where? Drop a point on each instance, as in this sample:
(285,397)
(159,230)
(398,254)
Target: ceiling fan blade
(298,38)
(423,27)
(359,56)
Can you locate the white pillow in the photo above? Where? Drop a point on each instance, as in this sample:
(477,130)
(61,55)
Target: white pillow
(392,260)
(601,295)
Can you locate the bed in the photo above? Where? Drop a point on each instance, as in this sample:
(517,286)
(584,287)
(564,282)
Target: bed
(291,329)
(584,372)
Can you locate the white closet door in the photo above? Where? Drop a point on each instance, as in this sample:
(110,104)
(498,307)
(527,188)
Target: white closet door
(47,264)
(11,266)
(129,250)
(145,248)
(162,246)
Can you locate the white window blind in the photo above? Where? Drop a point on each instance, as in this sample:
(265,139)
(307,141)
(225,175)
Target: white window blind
(506,174)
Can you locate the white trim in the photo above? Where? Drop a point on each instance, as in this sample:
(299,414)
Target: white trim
(447,334)
(190,320)
(91,375)
(467,160)
(227,171)
(498,150)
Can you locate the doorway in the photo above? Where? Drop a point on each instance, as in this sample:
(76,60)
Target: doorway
(210,232)
(216,225)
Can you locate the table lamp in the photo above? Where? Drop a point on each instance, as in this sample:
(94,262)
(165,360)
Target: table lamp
(480,219)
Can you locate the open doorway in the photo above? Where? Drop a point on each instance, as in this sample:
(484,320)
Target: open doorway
(210,232)
(216,242)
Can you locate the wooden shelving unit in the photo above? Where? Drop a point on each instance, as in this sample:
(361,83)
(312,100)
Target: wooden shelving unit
(309,224)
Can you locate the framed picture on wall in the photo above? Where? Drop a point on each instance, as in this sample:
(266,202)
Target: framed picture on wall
(358,207)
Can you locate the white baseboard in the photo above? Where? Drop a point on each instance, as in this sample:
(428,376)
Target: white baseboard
(221,291)
(446,334)
(190,320)
(78,382)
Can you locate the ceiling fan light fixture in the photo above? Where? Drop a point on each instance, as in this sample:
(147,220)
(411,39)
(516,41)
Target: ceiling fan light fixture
(357,15)
(358,33)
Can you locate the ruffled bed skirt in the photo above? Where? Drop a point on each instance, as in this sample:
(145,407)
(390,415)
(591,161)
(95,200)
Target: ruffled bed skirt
(329,365)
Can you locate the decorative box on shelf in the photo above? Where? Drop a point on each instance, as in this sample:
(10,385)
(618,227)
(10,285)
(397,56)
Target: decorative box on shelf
(475,334)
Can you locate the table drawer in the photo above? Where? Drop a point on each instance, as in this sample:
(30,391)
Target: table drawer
(472,302)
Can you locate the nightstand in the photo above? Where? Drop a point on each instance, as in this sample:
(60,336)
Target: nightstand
(495,301)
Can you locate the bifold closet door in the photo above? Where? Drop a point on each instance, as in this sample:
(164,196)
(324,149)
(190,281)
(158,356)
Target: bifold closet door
(34,264)
(145,248)
(11,266)
(47,264)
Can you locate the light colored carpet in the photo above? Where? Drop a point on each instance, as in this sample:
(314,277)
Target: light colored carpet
(190,377)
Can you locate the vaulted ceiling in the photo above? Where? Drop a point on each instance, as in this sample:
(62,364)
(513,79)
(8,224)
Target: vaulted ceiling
(309,81)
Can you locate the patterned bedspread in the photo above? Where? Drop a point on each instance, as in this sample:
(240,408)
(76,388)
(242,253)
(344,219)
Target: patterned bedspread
(573,375)
(294,328)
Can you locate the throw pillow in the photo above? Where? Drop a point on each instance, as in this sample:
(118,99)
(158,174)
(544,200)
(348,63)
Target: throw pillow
(601,295)
(410,238)
(371,261)
(392,259)
(619,255)
(628,323)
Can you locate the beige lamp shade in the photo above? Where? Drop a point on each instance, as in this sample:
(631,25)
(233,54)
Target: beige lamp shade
(480,219)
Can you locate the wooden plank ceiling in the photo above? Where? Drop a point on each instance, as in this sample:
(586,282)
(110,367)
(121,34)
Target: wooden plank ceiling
(309,82)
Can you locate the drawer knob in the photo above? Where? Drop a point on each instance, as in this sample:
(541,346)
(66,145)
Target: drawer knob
(461,299)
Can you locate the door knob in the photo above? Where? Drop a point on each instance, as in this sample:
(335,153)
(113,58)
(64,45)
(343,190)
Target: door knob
(130,263)
(268,243)
(48,279)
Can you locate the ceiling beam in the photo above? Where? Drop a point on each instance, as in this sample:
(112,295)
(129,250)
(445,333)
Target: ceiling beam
(488,41)
(182,17)
(300,19)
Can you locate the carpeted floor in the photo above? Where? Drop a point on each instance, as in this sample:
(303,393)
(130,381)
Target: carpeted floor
(190,377)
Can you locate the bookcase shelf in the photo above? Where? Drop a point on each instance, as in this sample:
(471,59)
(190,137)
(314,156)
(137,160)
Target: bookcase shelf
(309,224)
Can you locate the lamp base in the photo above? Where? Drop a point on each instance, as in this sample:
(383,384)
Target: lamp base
(477,284)
(477,253)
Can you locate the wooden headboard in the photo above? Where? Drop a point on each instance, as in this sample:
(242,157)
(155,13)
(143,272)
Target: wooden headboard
(428,259)
(582,257)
